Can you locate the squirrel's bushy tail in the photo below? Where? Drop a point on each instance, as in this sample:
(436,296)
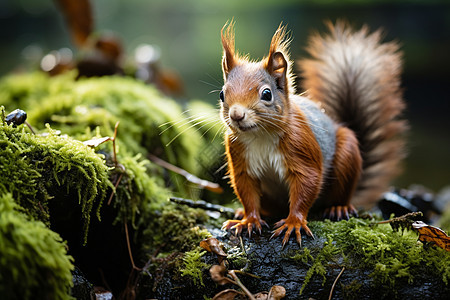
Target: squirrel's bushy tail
(356,78)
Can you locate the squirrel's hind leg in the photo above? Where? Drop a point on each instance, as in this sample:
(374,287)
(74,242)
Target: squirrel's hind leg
(344,176)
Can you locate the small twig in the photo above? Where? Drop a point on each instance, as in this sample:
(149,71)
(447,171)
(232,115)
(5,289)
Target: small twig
(241,285)
(114,142)
(402,222)
(129,247)
(213,187)
(116,164)
(31,128)
(223,294)
(405,217)
(247,274)
(245,252)
(242,245)
(334,283)
(41,207)
(115,188)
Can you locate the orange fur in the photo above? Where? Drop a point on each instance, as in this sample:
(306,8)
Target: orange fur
(344,175)
(304,163)
(272,149)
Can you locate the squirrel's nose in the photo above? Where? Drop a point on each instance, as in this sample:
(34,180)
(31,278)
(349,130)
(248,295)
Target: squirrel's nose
(237,113)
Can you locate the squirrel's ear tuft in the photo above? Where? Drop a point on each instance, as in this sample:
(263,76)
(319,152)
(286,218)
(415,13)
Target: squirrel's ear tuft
(228,60)
(277,61)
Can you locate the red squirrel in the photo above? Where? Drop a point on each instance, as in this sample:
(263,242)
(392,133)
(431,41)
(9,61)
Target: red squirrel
(340,140)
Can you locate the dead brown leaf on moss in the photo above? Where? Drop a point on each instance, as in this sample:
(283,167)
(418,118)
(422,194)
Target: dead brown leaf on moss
(213,245)
(435,235)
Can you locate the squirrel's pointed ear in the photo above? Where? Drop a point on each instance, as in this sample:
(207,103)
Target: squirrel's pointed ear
(228,60)
(277,60)
(277,67)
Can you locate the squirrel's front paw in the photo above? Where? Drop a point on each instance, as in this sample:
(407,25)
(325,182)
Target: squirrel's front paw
(251,222)
(290,223)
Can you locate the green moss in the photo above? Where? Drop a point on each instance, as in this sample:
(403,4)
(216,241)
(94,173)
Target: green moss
(303,256)
(437,261)
(33,261)
(239,259)
(193,266)
(175,228)
(138,193)
(392,256)
(352,290)
(38,169)
(328,253)
(78,107)
(25,89)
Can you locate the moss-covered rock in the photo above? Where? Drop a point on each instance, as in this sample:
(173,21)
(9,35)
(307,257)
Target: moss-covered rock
(33,259)
(148,120)
(38,169)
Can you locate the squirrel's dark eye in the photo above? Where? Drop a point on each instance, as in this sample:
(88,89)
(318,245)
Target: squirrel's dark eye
(221,96)
(266,95)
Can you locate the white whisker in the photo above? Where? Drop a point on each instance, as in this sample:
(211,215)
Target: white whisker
(170,122)
(185,121)
(221,130)
(180,133)
(208,83)
(193,121)
(215,79)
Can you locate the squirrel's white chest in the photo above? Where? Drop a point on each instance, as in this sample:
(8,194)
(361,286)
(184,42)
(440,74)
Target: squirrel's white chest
(264,157)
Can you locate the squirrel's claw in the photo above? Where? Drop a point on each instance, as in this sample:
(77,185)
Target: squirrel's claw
(251,223)
(237,229)
(338,213)
(289,225)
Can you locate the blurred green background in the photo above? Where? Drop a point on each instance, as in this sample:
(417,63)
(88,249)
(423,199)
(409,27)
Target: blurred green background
(188,35)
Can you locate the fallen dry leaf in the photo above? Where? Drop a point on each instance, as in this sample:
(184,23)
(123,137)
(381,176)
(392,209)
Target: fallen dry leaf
(213,245)
(428,233)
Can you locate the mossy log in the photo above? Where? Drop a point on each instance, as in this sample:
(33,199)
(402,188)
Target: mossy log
(376,263)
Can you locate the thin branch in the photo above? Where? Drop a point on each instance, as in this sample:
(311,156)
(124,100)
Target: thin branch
(334,283)
(114,142)
(241,285)
(213,187)
(115,188)
(31,128)
(129,247)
